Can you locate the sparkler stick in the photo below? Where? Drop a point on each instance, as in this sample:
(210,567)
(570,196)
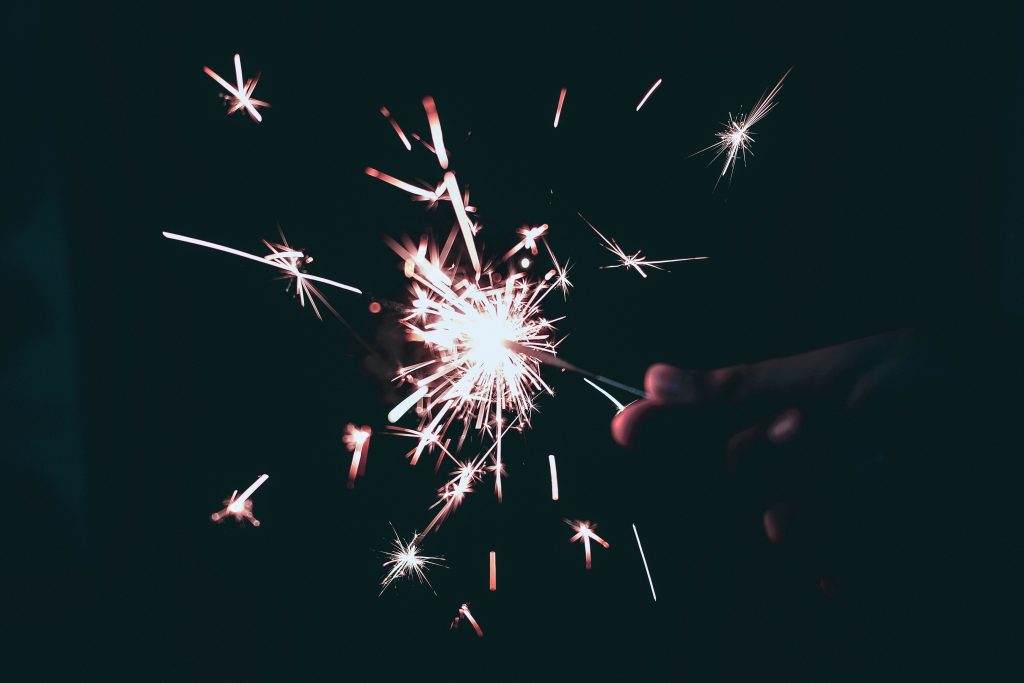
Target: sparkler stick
(611,398)
(493,585)
(646,568)
(355,440)
(398,129)
(558,111)
(554,477)
(558,362)
(435,131)
(734,142)
(241,97)
(649,93)
(240,507)
(405,560)
(464,613)
(585,531)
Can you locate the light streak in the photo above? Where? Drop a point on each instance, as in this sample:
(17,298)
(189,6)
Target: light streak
(529,241)
(585,532)
(355,440)
(451,184)
(396,413)
(558,110)
(636,261)
(464,613)
(241,96)
(405,560)
(554,477)
(420,192)
(435,131)
(735,140)
(644,558)
(649,93)
(398,129)
(493,583)
(619,407)
(285,259)
(239,506)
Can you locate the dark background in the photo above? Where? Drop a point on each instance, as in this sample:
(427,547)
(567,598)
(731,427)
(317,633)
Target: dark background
(147,379)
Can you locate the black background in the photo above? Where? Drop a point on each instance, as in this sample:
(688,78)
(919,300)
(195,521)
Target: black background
(875,200)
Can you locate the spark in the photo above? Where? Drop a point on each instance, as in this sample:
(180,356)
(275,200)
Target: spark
(635,261)
(619,407)
(464,613)
(290,261)
(646,568)
(554,477)
(239,506)
(396,413)
(240,96)
(649,93)
(735,140)
(558,110)
(585,532)
(529,241)
(405,559)
(435,131)
(493,583)
(355,440)
(398,129)
(422,193)
(451,184)
(427,438)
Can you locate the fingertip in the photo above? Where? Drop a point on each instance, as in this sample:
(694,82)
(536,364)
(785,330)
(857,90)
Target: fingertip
(775,521)
(626,423)
(668,384)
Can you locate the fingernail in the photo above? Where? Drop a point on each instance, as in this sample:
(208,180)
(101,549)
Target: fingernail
(670,384)
(785,426)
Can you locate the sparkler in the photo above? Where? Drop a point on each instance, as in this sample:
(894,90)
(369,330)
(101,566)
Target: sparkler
(558,110)
(355,440)
(464,613)
(239,506)
(636,261)
(554,477)
(405,560)
(286,259)
(649,93)
(585,532)
(398,129)
(646,568)
(241,96)
(735,140)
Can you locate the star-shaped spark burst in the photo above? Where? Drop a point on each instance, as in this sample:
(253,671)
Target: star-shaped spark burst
(291,262)
(635,261)
(735,140)
(239,506)
(404,559)
(585,532)
(239,97)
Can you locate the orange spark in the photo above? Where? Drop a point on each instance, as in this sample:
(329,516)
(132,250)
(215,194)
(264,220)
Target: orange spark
(435,131)
(558,110)
(398,129)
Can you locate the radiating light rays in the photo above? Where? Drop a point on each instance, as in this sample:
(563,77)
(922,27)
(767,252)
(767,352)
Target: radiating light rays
(240,506)
(650,92)
(635,261)
(735,139)
(286,259)
(407,560)
(585,532)
(356,440)
(240,96)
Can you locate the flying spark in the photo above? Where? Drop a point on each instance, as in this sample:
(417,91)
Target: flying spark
(435,131)
(464,613)
(585,532)
(558,110)
(288,260)
(635,261)
(619,407)
(240,96)
(493,583)
(398,129)
(735,140)
(646,568)
(554,477)
(649,93)
(355,440)
(239,506)
(405,559)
